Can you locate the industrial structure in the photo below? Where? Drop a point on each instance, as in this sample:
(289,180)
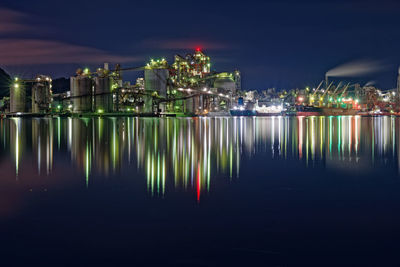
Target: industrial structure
(326,99)
(41,94)
(17,97)
(189,87)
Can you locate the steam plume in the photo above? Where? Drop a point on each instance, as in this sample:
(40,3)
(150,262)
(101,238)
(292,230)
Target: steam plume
(357,68)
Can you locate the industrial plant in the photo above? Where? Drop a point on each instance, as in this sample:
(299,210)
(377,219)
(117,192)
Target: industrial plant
(188,87)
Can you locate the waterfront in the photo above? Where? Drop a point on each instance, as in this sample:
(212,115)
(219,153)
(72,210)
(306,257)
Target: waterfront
(272,191)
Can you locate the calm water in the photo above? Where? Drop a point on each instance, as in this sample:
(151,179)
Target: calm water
(317,191)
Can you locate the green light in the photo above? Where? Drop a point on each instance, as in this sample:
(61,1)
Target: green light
(58,107)
(16,79)
(16,85)
(86,71)
(100,111)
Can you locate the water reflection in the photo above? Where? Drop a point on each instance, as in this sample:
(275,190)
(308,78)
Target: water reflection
(187,154)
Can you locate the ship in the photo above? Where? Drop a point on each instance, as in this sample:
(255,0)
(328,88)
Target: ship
(268,114)
(274,110)
(243,112)
(243,109)
(339,112)
(301,110)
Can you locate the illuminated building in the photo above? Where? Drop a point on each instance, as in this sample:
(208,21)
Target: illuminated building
(186,70)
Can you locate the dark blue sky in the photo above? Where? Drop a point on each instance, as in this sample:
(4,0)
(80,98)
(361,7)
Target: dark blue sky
(281,44)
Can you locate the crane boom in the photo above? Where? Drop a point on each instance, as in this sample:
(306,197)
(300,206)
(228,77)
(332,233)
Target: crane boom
(337,89)
(345,89)
(327,89)
(318,88)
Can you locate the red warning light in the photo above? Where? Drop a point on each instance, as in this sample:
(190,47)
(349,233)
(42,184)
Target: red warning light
(198,49)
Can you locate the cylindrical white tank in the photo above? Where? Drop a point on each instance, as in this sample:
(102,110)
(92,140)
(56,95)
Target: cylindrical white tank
(103,98)
(17,98)
(41,94)
(225,83)
(81,93)
(156,81)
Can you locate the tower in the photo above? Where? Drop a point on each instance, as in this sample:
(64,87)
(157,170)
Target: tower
(238,81)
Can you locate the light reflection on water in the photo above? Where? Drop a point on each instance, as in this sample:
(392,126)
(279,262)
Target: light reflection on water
(189,153)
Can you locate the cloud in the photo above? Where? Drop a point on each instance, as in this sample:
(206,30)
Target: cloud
(178,44)
(12,21)
(35,52)
(22,51)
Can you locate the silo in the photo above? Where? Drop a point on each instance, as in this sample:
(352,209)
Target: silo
(155,80)
(148,104)
(81,93)
(41,94)
(17,98)
(103,98)
(189,106)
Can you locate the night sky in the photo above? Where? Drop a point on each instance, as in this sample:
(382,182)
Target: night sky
(282,44)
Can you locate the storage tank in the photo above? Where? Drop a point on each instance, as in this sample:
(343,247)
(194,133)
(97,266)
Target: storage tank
(103,100)
(226,83)
(155,80)
(81,93)
(17,97)
(41,94)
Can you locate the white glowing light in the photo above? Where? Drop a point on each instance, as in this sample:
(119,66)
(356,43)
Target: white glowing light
(269,109)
